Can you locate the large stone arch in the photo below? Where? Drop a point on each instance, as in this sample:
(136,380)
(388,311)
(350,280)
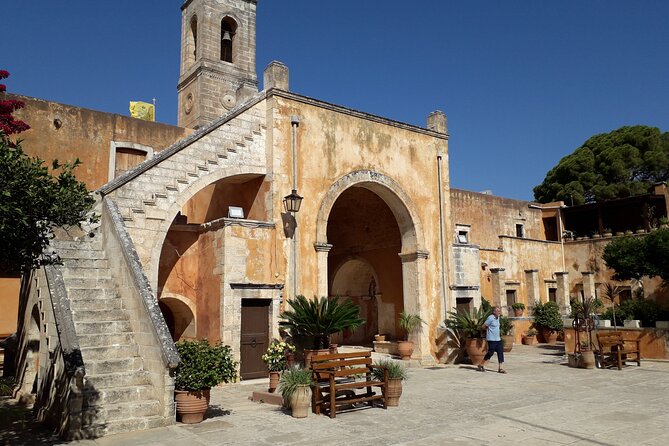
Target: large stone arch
(153,239)
(413,254)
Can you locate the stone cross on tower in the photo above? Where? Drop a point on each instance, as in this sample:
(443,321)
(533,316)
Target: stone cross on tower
(218,58)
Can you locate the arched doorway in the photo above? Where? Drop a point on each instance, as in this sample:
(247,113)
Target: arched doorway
(366,244)
(366,214)
(356,280)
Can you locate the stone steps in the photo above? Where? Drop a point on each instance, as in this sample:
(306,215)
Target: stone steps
(124,425)
(102,327)
(105,340)
(113,351)
(181,170)
(117,365)
(121,411)
(119,379)
(98,315)
(115,395)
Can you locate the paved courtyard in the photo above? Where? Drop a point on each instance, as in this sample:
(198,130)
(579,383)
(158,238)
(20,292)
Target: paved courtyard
(540,401)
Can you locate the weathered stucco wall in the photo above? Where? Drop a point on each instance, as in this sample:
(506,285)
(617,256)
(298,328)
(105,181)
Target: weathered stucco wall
(64,132)
(333,144)
(491,216)
(9,303)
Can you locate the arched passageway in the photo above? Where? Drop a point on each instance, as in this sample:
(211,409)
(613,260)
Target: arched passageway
(364,263)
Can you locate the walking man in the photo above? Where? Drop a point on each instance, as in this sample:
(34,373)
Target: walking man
(491,326)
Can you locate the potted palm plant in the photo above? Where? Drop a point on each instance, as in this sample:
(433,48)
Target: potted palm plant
(409,323)
(548,320)
(469,326)
(202,367)
(518,308)
(295,387)
(396,374)
(318,319)
(276,358)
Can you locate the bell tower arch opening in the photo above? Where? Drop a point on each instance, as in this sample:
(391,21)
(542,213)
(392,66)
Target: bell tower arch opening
(218,59)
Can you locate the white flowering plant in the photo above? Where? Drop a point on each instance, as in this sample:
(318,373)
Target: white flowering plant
(276,355)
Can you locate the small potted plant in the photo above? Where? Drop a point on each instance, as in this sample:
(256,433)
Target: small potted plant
(505,329)
(295,387)
(663,222)
(409,323)
(518,308)
(530,337)
(608,232)
(548,320)
(202,367)
(379,337)
(276,358)
(396,374)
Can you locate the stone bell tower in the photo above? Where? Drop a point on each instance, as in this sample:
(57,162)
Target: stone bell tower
(218,58)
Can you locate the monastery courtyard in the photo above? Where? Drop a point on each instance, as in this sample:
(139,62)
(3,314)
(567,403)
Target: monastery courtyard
(540,401)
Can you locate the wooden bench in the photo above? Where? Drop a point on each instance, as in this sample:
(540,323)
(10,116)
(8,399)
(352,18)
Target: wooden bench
(614,350)
(339,376)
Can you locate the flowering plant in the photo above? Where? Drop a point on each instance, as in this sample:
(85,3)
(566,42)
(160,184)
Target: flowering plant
(275,356)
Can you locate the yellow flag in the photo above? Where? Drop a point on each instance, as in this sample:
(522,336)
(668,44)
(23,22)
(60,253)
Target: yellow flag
(143,110)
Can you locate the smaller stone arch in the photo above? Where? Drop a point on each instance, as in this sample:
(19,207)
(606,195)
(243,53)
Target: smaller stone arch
(180,316)
(356,279)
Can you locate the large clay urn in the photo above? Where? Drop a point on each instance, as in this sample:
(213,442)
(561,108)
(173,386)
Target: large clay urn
(300,401)
(508,342)
(550,336)
(476,349)
(191,406)
(393,392)
(405,349)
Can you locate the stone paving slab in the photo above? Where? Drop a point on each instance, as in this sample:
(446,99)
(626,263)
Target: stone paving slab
(540,401)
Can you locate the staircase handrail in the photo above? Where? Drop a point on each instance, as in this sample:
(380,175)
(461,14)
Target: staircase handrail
(143,286)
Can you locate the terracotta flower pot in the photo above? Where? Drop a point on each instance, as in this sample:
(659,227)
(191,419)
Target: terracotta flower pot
(300,401)
(405,349)
(550,336)
(191,406)
(508,342)
(273,381)
(379,338)
(476,349)
(587,359)
(393,392)
(529,340)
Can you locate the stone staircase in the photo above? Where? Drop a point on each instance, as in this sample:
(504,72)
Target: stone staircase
(147,196)
(118,396)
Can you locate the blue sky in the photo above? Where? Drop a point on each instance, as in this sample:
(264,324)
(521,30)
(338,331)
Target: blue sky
(523,82)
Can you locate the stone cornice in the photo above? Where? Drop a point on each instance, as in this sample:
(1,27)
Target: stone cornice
(356,113)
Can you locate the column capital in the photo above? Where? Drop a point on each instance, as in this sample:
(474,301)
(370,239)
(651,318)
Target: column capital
(531,271)
(322,247)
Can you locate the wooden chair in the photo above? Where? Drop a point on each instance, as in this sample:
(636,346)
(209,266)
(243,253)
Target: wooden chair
(614,350)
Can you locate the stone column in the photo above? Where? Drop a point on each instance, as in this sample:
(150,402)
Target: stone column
(562,279)
(322,250)
(533,292)
(588,284)
(499,289)
(415,301)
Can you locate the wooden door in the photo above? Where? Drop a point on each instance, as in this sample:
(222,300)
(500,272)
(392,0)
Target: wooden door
(255,337)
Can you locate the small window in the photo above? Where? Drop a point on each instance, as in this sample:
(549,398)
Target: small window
(126,159)
(552,295)
(520,231)
(625,294)
(510,297)
(463,237)
(462,234)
